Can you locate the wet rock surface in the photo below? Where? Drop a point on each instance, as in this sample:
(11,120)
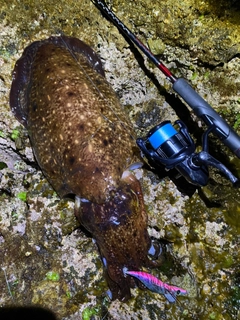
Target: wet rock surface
(45,258)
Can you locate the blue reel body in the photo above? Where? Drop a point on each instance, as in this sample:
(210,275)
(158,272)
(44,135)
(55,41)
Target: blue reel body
(174,149)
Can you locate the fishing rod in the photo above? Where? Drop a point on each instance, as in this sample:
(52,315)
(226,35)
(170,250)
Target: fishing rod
(176,149)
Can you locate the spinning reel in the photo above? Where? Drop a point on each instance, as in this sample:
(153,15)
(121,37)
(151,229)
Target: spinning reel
(176,149)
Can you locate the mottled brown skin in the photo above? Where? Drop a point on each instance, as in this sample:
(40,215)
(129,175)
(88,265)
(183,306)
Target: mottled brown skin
(83,142)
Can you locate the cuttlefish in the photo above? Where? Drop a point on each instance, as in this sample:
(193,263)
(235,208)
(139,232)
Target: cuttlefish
(84,144)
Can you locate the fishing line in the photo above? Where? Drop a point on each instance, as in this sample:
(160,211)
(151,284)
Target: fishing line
(7,282)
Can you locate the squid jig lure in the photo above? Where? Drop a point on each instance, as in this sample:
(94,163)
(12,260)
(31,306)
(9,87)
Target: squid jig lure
(155,285)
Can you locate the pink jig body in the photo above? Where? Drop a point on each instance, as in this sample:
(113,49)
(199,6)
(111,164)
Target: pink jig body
(155,285)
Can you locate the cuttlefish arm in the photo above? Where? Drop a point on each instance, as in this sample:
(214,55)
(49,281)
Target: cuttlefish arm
(119,227)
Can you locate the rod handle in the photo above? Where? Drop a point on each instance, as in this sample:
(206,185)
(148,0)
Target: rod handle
(203,110)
